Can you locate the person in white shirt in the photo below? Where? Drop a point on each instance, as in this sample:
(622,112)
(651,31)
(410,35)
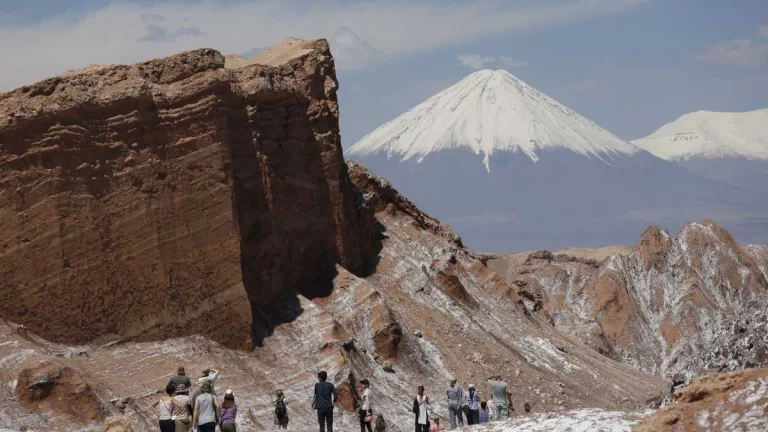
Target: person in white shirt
(164,409)
(420,409)
(366,410)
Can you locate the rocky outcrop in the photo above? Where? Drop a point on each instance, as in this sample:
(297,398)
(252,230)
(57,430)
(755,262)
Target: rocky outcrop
(47,385)
(143,202)
(734,401)
(670,305)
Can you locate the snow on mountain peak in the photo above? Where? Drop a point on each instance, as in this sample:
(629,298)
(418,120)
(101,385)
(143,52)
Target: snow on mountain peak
(711,135)
(490,110)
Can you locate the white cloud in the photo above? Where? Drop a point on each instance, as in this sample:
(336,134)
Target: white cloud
(763,31)
(511,63)
(352,51)
(740,52)
(113,34)
(477,61)
(473,61)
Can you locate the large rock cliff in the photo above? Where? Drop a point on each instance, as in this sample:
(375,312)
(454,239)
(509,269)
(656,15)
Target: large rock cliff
(151,201)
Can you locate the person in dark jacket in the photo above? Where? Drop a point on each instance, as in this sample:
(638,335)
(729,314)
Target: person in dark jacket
(323,401)
(180,378)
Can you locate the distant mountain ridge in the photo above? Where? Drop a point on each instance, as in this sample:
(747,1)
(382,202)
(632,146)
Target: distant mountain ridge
(710,134)
(725,146)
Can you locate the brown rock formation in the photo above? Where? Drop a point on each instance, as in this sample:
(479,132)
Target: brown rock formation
(51,386)
(166,194)
(660,305)
(734,401)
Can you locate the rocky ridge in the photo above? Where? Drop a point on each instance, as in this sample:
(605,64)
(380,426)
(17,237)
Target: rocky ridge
(671,306)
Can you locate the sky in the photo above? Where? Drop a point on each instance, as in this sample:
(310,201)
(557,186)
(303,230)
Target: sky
(629,65)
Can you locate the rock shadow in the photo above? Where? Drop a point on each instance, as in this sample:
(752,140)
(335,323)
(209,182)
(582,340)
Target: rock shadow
(295,207)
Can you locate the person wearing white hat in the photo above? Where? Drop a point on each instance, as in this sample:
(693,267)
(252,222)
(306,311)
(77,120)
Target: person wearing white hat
(228,413)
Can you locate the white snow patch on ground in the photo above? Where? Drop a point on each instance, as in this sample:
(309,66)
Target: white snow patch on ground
(540,351)
(584,420)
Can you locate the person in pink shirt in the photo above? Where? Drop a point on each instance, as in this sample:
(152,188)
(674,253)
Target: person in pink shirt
(436,427)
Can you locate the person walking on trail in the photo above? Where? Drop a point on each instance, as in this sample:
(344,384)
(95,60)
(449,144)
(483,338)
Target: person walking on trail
(228,412)
(502,397)
(473,405)
(366,408)
(181,408)
(164,409)
(323,401)
(281,410)
(483,414)
(210,375)
(180,378)
(455,396)
(206,409)
(421,410)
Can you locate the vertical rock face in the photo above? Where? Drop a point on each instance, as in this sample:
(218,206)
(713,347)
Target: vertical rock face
(174,193)
(670,305)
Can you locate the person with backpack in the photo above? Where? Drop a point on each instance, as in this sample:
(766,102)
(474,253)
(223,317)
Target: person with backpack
(180,378)
(455,396)
(206,412)
(366,409)
(228,413)
(323,401)
(473,406)
(420,409)
(181,408)
(165,412)
(281,411)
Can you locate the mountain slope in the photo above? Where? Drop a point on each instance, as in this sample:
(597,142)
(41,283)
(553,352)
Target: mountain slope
(549,177)
(708,134)
(490,111)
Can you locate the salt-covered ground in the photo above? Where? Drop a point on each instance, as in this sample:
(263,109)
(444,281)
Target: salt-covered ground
(584,420)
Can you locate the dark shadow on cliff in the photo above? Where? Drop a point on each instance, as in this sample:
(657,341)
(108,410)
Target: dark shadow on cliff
(297,212)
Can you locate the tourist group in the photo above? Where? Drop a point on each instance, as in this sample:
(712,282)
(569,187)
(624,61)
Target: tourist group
(184,405)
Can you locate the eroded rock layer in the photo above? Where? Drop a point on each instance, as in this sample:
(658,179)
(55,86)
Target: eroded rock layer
(142,202)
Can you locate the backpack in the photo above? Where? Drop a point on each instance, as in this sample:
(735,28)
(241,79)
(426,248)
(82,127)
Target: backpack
(280,409)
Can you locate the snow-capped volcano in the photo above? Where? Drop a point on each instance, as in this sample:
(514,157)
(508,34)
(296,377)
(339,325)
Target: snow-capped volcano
(486,112)
(711,135)
(510,168)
